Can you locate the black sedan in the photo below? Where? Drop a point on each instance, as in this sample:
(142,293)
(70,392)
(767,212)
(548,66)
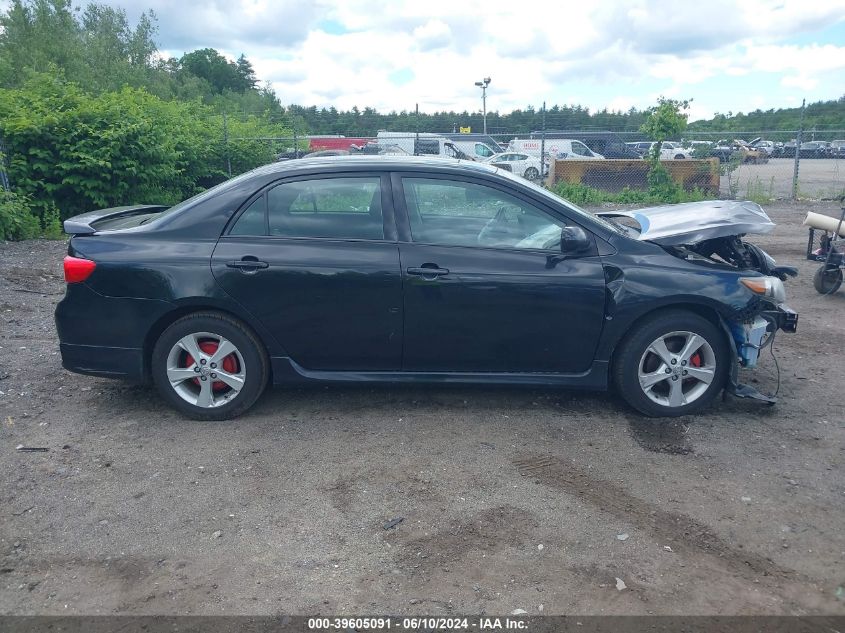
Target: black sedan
(392,269)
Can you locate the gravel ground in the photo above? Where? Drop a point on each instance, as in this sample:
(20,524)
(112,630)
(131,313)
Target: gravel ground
(510,498)
(817,178)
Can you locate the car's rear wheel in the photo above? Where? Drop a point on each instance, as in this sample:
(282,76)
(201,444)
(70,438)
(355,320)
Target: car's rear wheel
(673,364)
(827,280)
(532,174)
(209,366)
(679,156)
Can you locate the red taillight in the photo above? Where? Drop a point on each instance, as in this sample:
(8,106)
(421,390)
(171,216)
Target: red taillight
(77,269)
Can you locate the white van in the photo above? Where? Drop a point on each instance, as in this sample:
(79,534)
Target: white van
(422,144)
(558,148)
(479,149)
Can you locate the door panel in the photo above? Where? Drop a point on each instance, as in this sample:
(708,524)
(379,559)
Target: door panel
(307,257)
(500,311)
(502,299)
(330,304)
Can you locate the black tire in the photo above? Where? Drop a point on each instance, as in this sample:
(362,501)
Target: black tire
(531,174)
(679,156)
(633,352)
(249,358)
(826,281)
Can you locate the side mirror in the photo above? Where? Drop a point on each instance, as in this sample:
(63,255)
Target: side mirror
(574,240)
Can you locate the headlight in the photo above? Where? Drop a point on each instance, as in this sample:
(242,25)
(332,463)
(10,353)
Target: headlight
(769,287)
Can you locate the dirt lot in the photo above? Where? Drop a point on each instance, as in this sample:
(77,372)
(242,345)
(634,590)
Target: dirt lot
(817,178)
(510,498)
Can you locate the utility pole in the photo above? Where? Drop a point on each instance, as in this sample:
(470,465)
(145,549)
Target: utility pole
(797,152)
(483,85)
(543,145)
(226,144)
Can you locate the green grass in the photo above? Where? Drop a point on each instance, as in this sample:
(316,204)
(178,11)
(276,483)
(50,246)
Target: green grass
(589,196)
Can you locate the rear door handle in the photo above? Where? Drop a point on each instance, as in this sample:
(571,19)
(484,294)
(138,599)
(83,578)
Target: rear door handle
(428,271)
(247,265)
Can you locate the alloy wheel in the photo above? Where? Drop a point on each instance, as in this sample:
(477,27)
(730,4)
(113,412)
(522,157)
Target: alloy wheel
(205,369)
(676,369)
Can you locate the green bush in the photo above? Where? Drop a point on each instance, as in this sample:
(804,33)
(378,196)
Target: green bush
(16,220)
(666,193)
(52,225)
(70,152)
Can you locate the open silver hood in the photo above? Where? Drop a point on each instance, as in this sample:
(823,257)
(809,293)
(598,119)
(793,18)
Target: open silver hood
(693,222)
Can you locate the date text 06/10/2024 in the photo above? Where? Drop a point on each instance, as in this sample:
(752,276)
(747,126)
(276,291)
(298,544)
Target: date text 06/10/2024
(417,624)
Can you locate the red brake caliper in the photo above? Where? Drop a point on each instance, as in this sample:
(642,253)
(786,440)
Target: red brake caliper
(230,363)
(695,360)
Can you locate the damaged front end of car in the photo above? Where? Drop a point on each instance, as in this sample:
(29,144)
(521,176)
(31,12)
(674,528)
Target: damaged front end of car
(711,233)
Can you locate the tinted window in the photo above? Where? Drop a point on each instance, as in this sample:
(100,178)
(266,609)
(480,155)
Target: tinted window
(424,146)
(482,150)
(252,221)
(342,208)
(467,214)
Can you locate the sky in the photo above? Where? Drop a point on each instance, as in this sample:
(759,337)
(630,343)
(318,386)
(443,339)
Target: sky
(725,55)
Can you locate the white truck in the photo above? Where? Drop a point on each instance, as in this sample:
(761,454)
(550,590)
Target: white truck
(557,148)
(422,144)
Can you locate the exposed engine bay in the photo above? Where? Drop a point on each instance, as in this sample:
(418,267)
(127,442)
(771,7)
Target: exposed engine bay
(713,232)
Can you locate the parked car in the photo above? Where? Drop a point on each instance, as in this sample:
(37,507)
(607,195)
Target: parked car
(837,149)
(814,149)
(725,150)
(403,269)
(789,148)
(524,165)
(640,147)
(670,150)
(763,145)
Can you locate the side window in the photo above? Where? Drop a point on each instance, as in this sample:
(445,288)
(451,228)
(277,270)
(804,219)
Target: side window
(482,150)
(456,213)
(425,146)
(580,149)
(251,221)
(335,208)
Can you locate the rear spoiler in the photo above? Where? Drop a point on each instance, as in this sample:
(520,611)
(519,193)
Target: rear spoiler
(84,224)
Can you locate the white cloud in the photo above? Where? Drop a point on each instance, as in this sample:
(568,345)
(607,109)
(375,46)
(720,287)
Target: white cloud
(611,54)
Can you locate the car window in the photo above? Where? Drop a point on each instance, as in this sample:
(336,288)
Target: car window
(520,157)
(580,149)
(482,150)
(457,213)
(252,221)
(339,208)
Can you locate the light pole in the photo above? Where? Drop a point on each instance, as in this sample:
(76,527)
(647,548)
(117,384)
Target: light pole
(483,85)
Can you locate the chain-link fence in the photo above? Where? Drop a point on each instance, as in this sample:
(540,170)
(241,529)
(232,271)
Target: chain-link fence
(605,165)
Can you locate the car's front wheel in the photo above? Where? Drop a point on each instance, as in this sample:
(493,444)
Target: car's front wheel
(531,174)
(672,364)
(209,366)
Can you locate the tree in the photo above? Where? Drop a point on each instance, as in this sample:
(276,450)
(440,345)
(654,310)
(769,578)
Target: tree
(246,73)
(664,121)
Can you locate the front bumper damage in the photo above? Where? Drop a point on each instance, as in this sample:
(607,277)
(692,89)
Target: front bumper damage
(748,338)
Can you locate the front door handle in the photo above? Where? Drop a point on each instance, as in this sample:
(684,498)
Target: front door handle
(428,271)
(247,264)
